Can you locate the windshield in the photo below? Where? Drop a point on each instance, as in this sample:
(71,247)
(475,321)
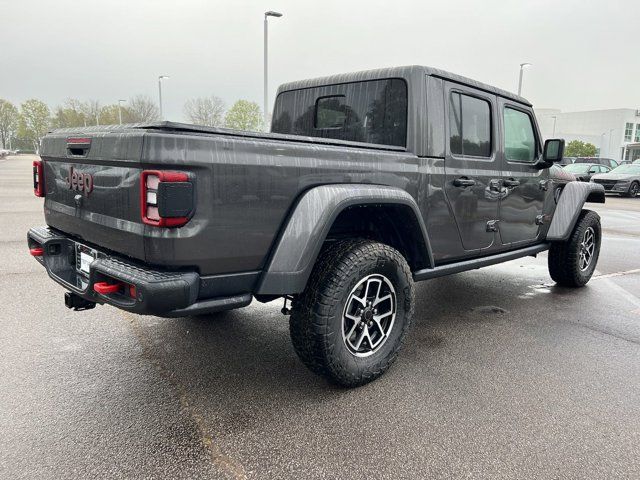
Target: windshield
(627,169)
(578,168)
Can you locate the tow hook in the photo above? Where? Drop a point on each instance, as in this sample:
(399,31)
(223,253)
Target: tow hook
(77,303)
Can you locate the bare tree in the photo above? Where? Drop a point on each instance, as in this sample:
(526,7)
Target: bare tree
(142,109)
(208,111)
(91,111)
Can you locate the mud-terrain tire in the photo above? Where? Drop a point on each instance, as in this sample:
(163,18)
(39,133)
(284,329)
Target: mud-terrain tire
(572,262)
(328,318)
(633,191)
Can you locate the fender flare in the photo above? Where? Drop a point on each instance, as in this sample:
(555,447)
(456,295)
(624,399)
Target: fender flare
(574,195)
(297,248)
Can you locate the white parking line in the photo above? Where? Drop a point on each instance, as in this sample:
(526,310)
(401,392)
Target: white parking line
(616,274)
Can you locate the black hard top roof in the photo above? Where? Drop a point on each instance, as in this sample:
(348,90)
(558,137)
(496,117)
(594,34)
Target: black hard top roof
(406,72)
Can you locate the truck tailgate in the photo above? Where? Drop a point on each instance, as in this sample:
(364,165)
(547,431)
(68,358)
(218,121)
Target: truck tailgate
(93,191)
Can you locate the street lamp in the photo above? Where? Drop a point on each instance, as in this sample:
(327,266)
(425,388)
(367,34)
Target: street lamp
(270,13)
(160,78)
(120,110)
(522,67)
(609,145)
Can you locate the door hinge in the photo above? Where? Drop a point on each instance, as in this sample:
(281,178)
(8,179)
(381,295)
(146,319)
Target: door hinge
(542,219)
(492,225)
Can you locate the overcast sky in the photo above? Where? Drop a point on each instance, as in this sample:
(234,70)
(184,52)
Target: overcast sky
(584,53)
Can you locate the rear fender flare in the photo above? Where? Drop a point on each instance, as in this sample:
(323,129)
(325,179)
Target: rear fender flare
(298,246)
(574,195)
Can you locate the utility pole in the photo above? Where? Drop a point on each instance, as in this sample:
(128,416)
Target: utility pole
(270,13)
(120,110)
(522,67)
(160,78)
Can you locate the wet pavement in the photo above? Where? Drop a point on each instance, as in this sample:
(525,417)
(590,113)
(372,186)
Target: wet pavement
(505,376)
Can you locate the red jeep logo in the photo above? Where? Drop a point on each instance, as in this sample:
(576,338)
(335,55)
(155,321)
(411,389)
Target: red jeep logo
(81,182)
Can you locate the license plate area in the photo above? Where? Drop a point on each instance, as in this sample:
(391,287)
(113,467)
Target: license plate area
(84,257)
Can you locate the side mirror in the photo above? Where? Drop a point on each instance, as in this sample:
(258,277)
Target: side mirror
(553,150)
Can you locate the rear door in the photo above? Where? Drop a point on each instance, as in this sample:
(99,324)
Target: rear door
(524,187)
(472,172)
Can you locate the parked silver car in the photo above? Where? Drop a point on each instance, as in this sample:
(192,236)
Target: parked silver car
(624,180)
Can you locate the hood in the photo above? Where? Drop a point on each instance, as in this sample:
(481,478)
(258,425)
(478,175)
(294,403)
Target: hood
(615,176)
(560,175)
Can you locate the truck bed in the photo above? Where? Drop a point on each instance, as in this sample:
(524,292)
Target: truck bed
(246,184)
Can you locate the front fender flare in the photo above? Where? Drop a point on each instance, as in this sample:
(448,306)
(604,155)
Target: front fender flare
(574,195)
(299,244)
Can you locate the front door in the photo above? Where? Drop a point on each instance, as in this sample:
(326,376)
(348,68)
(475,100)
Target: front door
(523,186)
(472,172)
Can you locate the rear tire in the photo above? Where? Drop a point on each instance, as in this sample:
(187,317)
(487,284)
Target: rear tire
(352,318)
(572,262)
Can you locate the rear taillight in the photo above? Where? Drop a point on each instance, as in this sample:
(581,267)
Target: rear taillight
(166,198)
(38,178)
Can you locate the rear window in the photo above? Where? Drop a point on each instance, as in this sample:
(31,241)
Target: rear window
(371,112)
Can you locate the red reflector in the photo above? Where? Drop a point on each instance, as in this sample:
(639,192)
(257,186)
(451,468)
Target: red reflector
(132,291)
(106,288)
(36,252)
(78,140)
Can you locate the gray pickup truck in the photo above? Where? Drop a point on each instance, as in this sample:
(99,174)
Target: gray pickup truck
(367,183)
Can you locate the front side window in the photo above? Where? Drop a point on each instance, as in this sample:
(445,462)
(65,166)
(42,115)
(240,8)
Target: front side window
(469,125)
(628,131)
(519,136)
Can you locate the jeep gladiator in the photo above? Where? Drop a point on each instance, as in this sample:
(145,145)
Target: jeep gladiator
(367,183)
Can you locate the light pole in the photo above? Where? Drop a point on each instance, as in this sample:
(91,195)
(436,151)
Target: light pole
(522,67)
(609,146)
(160,78)
(120,110)
(555,118)
(270,13)
(602,142)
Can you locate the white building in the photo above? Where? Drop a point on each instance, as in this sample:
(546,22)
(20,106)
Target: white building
(616,132)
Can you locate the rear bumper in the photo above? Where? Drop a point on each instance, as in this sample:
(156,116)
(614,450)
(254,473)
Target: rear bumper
(144,291)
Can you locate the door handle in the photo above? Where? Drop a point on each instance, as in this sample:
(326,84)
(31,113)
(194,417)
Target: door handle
(511,182)
(464,182)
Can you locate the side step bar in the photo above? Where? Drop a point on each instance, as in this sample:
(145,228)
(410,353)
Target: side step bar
(476,263)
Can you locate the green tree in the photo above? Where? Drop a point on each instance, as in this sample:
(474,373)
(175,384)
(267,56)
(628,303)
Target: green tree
(35,121)
(9,120)
(578,148)
(109,115)
(70,114)
(244,115)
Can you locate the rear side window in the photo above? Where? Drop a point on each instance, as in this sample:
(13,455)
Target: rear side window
(469,125)
(372,112)
(330,112)
(519,137)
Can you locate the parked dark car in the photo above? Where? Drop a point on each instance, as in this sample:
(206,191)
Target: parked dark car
(567,161)
(609,162)
(584,171)
(624,180)
(368,183)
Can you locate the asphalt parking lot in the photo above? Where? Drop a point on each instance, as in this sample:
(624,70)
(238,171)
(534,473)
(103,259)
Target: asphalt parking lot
(504,376)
